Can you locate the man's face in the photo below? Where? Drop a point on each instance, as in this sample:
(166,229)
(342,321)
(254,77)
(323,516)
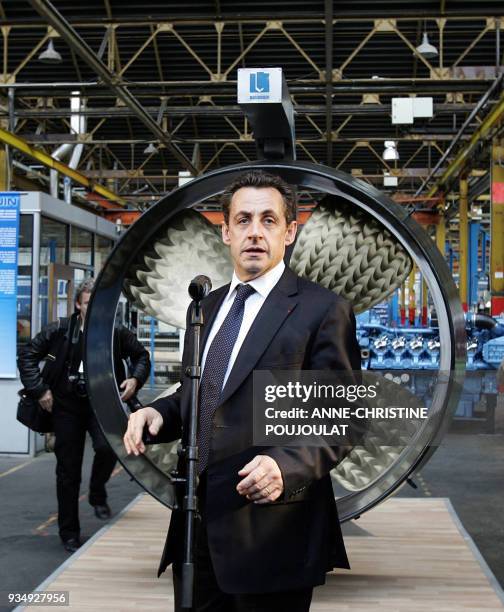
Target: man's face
(257,233)
(83,304)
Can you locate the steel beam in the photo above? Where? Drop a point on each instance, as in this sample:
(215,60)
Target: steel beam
(481,103)
(480,134)
(153,175)
(67,137)
(232,110)
(296,86)
(75,42)
(18,143)
(378,11)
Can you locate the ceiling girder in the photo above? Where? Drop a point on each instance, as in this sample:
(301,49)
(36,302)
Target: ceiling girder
(296,87)
(75,42)
(18,143)
(231,110)
(469,13)
(456,82)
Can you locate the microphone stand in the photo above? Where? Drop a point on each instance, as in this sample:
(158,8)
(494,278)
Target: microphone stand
(190,453)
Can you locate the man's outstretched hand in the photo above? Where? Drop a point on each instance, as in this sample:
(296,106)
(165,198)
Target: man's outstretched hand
(262,482)
(137,421)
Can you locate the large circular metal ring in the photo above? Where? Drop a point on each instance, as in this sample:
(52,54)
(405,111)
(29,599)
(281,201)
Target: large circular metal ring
(396,219)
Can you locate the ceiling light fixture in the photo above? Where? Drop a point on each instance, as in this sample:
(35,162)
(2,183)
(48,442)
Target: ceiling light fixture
(390,153)
(150,148)
(50,55)
(426,49)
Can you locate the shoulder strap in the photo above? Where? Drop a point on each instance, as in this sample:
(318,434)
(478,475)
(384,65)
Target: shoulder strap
(56,358)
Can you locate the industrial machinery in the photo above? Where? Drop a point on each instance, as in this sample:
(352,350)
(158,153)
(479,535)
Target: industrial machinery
(387,347)
(417,349)
(357,242)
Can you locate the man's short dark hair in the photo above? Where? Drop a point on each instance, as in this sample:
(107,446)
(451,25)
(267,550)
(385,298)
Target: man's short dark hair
(261,180)
(85,286)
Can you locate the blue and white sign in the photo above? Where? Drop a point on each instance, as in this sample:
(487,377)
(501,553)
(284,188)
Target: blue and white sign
(9,239)
(259,85)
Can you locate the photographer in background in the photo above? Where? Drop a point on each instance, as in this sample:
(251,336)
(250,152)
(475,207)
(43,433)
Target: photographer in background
(62,391)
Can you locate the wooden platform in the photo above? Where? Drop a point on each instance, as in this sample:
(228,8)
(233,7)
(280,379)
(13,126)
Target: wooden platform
(407,554)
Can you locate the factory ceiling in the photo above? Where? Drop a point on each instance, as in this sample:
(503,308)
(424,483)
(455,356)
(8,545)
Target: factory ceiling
(164,73)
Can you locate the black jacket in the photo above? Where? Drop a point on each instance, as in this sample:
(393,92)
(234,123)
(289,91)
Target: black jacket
(52,344)
(293,542)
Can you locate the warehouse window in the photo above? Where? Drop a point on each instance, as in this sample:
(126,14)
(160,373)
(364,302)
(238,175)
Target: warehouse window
(81,247)
(53,249)
(53,242)
(103,246)
(24,279)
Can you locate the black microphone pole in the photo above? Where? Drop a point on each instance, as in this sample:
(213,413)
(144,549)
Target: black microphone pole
(198,289)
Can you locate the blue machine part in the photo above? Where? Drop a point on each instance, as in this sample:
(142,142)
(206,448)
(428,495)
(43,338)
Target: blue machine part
(493,351)
(474,232)
(476,383)
(384,347)
(413,348)
(398,348)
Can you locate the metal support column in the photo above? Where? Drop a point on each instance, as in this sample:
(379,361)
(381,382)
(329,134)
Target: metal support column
(441,234)
(497,237)
(484,240)
(35,288)
(394,318)
(423,319)
(474,231)
(402,308)
(463,243)
(4,169)
(411,296)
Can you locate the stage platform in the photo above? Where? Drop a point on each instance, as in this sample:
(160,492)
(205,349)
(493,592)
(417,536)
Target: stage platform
(406,555)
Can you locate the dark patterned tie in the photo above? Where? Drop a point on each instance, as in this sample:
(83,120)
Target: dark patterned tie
(216,365)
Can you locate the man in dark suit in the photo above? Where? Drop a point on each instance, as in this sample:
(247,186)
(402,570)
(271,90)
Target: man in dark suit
(269,528)
(61,390)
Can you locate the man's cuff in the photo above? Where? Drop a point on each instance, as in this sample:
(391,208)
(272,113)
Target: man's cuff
(294,482)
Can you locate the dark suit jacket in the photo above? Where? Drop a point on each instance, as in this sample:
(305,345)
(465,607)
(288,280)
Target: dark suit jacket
(293,542)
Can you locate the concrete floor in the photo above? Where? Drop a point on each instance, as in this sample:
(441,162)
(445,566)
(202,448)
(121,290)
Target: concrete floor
(467,468)
(30,548)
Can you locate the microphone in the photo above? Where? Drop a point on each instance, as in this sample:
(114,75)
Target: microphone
(200,287)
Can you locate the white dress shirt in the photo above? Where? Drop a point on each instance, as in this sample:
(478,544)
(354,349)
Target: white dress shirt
(262,285)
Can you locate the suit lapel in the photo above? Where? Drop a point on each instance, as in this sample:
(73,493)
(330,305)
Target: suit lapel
(276,308)
(211,307)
